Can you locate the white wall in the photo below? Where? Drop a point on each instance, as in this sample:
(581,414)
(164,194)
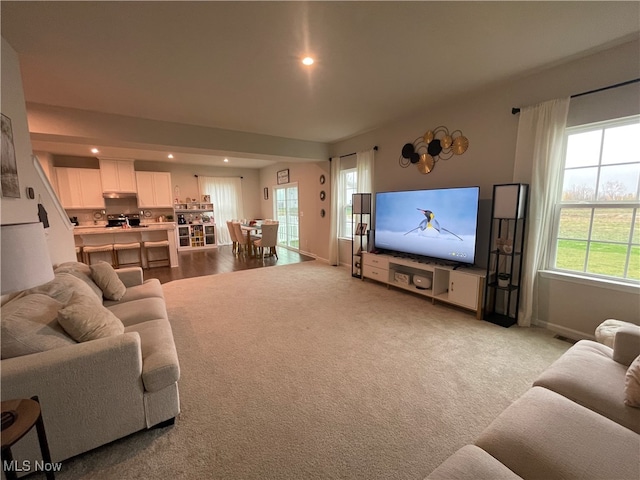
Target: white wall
(485,119)
(22,210)
(313,227)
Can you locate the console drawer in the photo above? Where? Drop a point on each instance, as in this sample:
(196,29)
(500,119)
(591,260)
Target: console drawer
(375,273)
(375,261)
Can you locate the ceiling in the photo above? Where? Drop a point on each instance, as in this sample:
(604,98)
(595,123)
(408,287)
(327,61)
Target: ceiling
(236,65)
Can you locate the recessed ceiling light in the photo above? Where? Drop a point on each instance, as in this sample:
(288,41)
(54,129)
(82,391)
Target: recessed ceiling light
(226,160)
(170,155)
(95,150)
(307,61)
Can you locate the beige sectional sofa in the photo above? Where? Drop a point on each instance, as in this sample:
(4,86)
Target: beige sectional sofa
(577,421)
(122,379)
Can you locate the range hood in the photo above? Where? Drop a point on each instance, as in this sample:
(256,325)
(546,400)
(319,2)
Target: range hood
(119,195)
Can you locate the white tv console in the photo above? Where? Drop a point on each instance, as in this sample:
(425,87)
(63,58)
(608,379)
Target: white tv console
(464,287)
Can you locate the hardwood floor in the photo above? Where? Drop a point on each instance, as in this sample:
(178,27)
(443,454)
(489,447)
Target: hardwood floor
(219,260)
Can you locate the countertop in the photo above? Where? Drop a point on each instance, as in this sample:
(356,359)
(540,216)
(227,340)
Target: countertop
(101,229)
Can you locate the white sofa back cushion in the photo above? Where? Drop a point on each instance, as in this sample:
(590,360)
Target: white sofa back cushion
(632,384)
(29,326)
(107,279)
(84,318)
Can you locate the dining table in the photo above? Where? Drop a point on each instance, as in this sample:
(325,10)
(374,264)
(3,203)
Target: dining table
(249,228)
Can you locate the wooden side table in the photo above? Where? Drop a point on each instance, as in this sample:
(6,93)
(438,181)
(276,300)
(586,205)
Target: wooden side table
(18,418)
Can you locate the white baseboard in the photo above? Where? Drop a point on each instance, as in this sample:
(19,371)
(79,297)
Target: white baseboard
(301,252)
(564,331)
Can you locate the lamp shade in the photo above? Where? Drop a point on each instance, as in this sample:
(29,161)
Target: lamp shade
(361,203)
(25,261)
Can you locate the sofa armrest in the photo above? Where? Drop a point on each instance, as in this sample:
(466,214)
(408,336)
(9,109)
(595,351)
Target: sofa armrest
(626,344)
(91,393)
(130,276)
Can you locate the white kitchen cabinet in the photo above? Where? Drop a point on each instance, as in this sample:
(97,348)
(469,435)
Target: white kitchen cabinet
(79,187)
(117,175)
(154,189)
(439,282)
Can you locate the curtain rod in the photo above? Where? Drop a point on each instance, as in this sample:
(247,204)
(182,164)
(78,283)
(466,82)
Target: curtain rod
(353,153)
(232,176)
(516,110)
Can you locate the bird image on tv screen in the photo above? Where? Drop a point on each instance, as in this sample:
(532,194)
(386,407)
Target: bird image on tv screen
(431,222)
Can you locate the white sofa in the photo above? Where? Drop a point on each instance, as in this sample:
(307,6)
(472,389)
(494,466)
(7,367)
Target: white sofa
(96,391)
(572,423)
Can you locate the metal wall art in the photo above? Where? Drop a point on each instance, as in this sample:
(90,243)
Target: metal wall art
(434,145)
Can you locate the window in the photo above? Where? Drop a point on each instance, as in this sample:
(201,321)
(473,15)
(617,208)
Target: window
(598,212)
(349,182)
(285,204)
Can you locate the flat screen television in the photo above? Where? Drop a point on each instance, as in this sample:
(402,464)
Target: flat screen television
(438,223)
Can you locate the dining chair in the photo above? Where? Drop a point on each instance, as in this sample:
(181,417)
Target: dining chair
(232,234)
(243,240)
(269,239)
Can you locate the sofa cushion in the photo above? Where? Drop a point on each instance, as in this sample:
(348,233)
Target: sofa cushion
(81,271)
(160,366)
(626,344)
(107,279)
(545,435)
(138,311)
(148,289)
(29,325)
(63,285)
(588,375)
(84,318)
(130,276)
(632,384)
(606,331)
(472,463)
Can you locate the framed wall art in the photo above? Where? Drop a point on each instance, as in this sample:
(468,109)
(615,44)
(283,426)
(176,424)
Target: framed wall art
(9,173)
(283,176)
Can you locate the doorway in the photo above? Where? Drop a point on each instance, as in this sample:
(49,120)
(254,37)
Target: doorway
(285,206)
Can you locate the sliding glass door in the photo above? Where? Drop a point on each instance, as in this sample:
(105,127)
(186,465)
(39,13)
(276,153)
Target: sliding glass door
(286,212)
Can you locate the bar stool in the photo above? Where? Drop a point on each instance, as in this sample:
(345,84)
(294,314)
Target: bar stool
(89,249)
(79,254)
(118,247)
(157,244)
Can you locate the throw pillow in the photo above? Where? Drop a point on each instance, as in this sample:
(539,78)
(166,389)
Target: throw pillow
(62,286)
(632,384)
(81,271)
(84,318)
(107,279)
(29,326)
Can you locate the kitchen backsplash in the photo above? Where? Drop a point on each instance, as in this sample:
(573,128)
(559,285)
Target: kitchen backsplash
(115,206)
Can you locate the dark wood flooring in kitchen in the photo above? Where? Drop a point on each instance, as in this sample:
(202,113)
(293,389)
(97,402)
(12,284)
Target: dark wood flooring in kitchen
(219,260)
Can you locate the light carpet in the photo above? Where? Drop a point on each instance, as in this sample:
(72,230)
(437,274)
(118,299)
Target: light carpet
(303,372)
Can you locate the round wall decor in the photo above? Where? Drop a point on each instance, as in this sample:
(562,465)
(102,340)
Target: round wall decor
(434,145)
(323,195)
(322,179)
(322,213)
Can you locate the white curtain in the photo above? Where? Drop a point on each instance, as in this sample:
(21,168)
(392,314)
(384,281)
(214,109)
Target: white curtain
(364,167)
(226,196)
(539,152)
(336,189)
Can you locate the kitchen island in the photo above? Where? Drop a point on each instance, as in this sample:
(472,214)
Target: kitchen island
(102,235)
